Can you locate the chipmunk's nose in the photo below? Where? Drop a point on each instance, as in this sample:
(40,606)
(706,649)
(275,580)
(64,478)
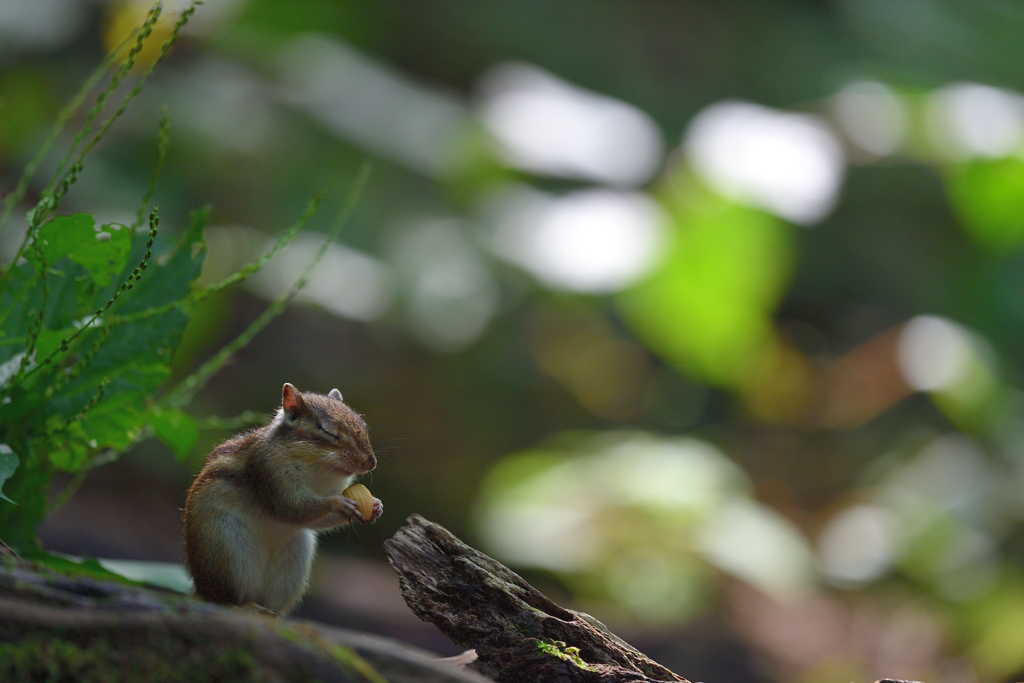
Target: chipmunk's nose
(369,461)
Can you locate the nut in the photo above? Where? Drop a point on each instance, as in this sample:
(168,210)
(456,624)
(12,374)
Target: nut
(361,495)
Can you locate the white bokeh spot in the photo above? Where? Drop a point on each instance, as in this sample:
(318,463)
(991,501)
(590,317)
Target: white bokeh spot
(858,545)
(970,119)
(788,164)
(547,126)
(872,116)
(592,241)
(934,353)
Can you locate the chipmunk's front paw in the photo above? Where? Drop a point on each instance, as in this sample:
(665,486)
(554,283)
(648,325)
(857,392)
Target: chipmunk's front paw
(349,509)
(378,509)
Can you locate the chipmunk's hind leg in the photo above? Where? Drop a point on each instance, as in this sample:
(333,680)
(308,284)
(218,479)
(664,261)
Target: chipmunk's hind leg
(222,556)
(288,572)
(243,564)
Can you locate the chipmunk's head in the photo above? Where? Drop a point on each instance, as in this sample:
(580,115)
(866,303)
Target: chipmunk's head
(325,426)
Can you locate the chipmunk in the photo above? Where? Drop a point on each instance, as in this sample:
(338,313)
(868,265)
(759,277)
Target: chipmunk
(254,510)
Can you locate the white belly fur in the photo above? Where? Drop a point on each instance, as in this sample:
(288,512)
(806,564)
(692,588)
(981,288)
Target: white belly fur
(287,553)
(272,560)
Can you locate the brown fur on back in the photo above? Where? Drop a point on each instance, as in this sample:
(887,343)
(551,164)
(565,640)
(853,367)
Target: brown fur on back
(222,464)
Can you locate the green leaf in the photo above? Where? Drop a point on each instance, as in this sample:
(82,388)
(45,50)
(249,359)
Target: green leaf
(102,252)
(137,356)
(171,277)
(67,449)
(115,422)
(174,428)
(988,196)
(57,238)
(169,575)
(67,301)
(49,341)
(78,566)
(118,419)
(70,288)
(8,465)
(16,301)
(28,487)
(708,307)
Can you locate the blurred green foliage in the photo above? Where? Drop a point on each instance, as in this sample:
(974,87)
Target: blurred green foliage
(988,195)
(638,522)
(707,308)
(854,383)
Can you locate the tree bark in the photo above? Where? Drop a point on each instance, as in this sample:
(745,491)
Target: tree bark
(519,633)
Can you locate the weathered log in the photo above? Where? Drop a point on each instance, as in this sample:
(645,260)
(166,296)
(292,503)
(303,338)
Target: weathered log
(56,626)
(519,633)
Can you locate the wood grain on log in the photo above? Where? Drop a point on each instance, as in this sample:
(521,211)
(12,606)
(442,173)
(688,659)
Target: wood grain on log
(516,631)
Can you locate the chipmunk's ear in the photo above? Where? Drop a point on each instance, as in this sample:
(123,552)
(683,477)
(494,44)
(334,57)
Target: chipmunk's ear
(291,401)
(335,394)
